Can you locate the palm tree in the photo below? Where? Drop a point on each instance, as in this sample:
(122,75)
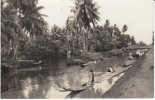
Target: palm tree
(107,24)
(114,41)
(133,40)
(73,31)
(9,25)
(33,22)
(86,13)
(125,28)
(29,17)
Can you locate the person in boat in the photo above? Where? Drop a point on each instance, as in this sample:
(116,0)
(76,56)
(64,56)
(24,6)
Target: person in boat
(111,69)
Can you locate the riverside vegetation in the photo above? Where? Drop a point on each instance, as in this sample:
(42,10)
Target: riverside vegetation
(25,35)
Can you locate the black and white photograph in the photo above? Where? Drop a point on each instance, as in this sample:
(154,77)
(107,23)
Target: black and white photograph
(77,49)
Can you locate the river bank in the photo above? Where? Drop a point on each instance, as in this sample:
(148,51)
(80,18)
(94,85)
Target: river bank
(137,82)
(9,66)
(30,83)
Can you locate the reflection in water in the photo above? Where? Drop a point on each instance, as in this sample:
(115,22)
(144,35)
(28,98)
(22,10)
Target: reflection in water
(44,83)
(110,80)
(106,85)
(98,89)
(54,93)
(26,88)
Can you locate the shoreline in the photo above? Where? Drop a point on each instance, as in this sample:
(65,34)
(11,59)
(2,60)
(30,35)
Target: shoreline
(127,85)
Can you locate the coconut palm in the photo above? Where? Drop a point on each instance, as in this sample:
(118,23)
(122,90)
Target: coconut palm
(9,25)
(125,28)
(86,13)
(133,42)
(30,18)
(73,32)
(33,22)
(22,5)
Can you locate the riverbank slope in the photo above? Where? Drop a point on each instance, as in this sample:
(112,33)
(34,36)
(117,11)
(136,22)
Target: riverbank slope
(137,82)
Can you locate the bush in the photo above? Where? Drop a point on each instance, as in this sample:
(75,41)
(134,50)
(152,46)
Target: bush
(45,48)
(76,53)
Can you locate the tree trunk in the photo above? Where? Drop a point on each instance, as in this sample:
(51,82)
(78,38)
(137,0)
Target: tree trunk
(9,51)
(73,44)
(84,42)
(31,38)
(95,34)
(16,51)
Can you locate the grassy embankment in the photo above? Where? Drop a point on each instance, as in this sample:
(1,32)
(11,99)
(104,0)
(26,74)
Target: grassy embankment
(136,82)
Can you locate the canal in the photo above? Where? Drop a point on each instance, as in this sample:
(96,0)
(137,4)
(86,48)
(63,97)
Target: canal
(50,81)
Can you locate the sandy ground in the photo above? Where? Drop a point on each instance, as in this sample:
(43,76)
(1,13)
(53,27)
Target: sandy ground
(137,82)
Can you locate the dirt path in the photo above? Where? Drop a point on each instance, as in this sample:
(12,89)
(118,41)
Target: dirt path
(138,81)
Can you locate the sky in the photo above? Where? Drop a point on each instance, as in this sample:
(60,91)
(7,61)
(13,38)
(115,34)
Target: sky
(136,14)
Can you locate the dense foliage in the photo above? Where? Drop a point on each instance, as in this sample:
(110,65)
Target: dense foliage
(25,33)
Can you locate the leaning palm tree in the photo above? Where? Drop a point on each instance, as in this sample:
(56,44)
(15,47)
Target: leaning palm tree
(86,13)
(9,25)
(29,17)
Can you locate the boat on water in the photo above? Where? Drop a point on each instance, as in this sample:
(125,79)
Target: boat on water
(108,75)
(20,63)
(99,77)
(75,62)
(128,62)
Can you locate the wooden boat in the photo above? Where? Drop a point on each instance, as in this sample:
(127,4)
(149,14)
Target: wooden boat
(89,63)
(28,63)
(75,62)
(128,63)
(108,75)
(99,77)
(77,90)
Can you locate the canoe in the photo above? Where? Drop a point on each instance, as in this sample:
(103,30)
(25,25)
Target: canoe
(28,63)
(19,62)
(75,62)
(99,77)
(89,63)
(79,88)
(70,95)
(109,75)
(128,63)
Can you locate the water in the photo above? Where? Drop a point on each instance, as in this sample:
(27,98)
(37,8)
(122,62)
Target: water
(98,89)
(50,81)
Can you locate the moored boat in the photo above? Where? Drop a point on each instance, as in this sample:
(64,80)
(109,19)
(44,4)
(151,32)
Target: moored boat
(128,62)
